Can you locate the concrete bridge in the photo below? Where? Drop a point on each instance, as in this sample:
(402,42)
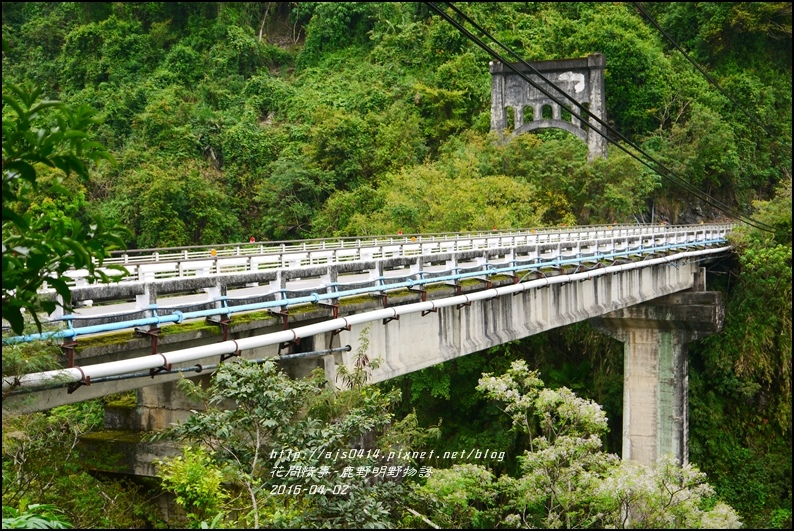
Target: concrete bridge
(412,302)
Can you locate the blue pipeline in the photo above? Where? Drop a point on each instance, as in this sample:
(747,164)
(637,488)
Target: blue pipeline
(178,317)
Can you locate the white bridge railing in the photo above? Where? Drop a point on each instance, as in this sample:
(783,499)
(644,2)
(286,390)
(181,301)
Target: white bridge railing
(166,285)
(183,262)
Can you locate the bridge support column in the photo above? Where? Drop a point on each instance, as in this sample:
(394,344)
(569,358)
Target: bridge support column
(655,376)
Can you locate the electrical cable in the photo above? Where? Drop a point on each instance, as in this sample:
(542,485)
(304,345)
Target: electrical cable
(660,169)
(711,80)
(682,183)
(671,176)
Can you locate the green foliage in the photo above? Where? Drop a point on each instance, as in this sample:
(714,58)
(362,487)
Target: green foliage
(253,445)
(565,479)
(238,53)
(335,25)
(701,148)
(112,50)
(718,32)
(182,65)
(24,358)
(41,465)
(34,516)
(41,243)
(227,123)
(666,496)
(288,198)
(361,373)
(460,497)
(195,482)
(754,350)
(341,143)
(742,377)
(178,206)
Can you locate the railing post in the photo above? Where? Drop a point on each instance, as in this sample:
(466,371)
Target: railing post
(146,302)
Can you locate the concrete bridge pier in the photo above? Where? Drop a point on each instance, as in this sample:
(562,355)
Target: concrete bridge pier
(655,376)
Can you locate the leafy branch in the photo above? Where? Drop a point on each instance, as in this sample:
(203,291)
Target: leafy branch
(39,247)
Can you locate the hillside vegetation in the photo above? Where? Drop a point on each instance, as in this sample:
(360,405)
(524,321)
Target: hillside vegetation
(309,119)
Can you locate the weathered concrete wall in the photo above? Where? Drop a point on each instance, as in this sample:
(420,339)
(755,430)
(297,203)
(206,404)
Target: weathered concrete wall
(581,79)
(125,452)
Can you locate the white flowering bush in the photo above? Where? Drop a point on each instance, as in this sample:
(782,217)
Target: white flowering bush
(665,495)
(567,480)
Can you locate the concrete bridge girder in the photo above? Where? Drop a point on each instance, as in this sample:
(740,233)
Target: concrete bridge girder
(453,332)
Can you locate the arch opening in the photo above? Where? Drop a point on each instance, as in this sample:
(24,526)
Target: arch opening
(528,114)
(510,118)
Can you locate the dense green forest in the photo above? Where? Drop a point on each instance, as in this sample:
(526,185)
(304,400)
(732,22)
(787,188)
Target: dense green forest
(216,122)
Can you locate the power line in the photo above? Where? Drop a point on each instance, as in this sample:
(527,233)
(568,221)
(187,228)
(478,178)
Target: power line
(660,169)
(711,80)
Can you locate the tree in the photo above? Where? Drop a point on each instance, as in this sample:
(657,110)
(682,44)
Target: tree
(44,477)
(565,479)
(264,432)
(39,246)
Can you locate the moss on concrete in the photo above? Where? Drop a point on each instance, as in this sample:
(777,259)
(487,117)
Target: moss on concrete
(357,299)
(436,287)
(105,339)
(193,326)
(125,436)
(301,308)
(127,400)
(245,318)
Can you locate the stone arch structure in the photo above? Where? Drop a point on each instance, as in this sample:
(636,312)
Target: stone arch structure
(582,79)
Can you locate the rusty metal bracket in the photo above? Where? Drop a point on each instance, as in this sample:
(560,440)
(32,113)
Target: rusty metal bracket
(68,350)
(542,275)
(340,330)
(462,304)
(384,299)
(153,334)
(74,386)
(422,291)
(457,286)
(158,370)
(585,269)
(486,280)
(390,319)
(517,279)
(425,312)
(288,344)
(225,357)
(224,324)
(336,333)
(334,307)
(284,317)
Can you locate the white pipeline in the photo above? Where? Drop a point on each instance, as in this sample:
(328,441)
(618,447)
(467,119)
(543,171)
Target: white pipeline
(154,361)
